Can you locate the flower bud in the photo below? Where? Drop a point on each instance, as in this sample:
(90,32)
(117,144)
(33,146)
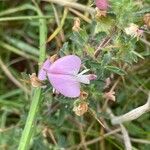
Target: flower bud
(92,77)
(133,30)
(102,4)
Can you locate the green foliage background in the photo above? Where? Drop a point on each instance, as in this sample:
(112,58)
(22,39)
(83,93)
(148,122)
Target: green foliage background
(57,126)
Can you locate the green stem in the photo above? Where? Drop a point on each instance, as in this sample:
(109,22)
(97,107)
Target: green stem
(31,119)
(24,18)
(16,9)
(11,93)
(30,122)
(2,126)
(17,51)
(12,103)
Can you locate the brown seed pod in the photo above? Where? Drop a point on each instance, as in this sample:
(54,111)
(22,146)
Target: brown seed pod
(53,58)
(83,95)
(35,82)
(76,26)
(100,13)
(110,96)
(147,19)
(81,108)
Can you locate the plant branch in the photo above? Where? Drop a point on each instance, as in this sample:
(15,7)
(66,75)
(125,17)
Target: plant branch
(73,5)
(96,139)
(132,115)
(24,18)
(36,100)
(126,138)
(11,77)
(60,26)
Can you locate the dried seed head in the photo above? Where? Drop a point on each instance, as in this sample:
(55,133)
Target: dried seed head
(45,132)
(83,95)
(81,108)
(76,26)
(147,20)
(107,82)
(100,13)
(133,30)
(53,58)
(35,82)
(110,95)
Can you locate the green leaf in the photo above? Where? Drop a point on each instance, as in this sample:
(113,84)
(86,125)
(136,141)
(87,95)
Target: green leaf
(106,59)
(79,38)
(22,45)
(64,48)
(115,70)
(104,25)
(137,54)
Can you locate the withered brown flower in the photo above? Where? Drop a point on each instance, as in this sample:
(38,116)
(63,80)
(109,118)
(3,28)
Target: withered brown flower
(76,26)
(81,108)
(110,95)
(35,82)
(147,19)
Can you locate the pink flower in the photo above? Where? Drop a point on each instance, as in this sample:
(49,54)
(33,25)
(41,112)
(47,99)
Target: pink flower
(64,75)
(42,72)
(134,31)
(102,4)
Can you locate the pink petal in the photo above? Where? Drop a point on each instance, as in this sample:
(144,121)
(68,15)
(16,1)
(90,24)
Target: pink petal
(92,77)
(67,85)
(42,73)
(102,4)
(68,65)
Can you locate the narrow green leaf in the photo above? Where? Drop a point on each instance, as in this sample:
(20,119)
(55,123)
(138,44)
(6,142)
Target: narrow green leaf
(115,70)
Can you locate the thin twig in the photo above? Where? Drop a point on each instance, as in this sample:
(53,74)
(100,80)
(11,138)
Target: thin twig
(96,139)
(24,18)
(73,5)
(11,77)
(132,115)
(111,90)
(95,116)
(9,128)
(145,41)
(60,27)
(58,22)
(126,138)
(80,15)
(82,138)
(143,141)
(102,142)
(50,132)
(104,42)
